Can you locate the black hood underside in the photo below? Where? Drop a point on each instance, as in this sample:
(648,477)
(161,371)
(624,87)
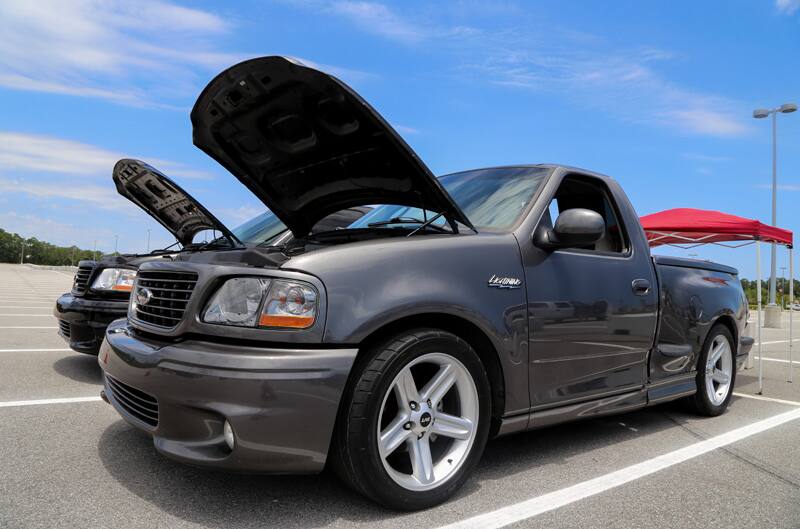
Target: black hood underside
(307,145)
(176,210)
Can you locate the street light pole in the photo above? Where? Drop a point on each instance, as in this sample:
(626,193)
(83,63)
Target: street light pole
(148,240)
(773,315)
(774,250)
(116,240)
(22,253)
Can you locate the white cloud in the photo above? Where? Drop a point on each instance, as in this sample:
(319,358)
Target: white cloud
(402,129)
(32,152)
(625,84)
(705,122)
(49,230)
(565,63)
(114,50)
(377,18)
(788,7)
(705,157)
(104,197)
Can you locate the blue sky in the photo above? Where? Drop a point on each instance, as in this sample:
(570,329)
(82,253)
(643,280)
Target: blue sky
(657,94)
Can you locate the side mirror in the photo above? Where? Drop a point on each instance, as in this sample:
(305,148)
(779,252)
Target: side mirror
(574,227)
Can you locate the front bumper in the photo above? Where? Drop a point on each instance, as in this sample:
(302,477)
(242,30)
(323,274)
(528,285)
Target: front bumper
(82,322)
(281,403)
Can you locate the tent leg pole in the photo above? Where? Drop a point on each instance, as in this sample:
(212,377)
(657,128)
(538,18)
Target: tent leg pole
(758,298)
(791,303)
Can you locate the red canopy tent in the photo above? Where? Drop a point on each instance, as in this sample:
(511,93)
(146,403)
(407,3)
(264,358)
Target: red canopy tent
(686,228)
(689,227)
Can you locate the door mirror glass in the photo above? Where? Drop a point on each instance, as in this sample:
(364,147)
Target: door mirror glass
(574,228)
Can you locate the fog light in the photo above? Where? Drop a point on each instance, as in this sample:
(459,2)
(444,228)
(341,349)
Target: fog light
(227,433)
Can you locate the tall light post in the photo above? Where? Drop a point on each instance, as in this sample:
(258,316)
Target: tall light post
(116,240)
(772,313)
(22,253)
(148,240)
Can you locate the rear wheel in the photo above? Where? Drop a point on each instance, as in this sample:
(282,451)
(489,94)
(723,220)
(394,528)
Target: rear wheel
(416,420)
(716,373)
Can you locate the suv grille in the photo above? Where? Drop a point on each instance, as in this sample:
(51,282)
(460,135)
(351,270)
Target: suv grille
(81,280)
(141,405)
(65,329)
(170,292)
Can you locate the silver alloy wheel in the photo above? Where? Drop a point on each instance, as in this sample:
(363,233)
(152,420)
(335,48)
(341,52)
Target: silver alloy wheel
(719,370)
(432,428)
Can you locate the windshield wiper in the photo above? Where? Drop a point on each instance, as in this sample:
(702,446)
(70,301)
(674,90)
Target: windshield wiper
(210,244)
(410,220)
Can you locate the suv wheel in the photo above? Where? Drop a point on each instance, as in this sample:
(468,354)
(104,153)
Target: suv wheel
(716,373)
(415,421)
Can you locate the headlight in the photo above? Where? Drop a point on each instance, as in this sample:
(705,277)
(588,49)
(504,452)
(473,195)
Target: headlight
(237,302)
(115,279)
(254,302)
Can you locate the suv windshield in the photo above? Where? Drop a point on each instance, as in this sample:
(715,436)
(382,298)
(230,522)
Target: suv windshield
(259,229)
(490,198)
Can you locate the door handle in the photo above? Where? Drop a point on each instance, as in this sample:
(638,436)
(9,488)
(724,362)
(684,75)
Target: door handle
(641,287)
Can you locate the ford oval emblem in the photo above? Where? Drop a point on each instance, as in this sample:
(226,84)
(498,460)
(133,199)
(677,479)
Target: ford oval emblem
(143,296)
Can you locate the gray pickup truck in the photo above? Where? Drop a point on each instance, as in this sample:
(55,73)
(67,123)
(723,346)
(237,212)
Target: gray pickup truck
(468,306)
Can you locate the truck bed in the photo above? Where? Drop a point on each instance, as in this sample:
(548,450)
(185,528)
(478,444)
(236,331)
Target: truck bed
(665,260)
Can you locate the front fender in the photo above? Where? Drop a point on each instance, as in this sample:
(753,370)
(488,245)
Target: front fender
(372,284)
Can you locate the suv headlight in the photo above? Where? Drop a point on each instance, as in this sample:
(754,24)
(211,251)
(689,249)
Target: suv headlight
(255,302)
(115,279)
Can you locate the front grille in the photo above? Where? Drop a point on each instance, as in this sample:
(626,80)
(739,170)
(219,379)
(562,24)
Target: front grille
(169,295)
(64,327)
(136,402)
(81,280)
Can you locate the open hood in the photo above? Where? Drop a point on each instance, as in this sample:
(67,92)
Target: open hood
(307,145)
(165,201)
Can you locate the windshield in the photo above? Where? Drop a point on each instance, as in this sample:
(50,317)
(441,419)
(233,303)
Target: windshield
(259,229)
(490,198)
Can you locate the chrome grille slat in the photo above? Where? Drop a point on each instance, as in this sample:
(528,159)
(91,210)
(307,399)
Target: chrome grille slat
(81,280)
(64,327)
(148,310)
(170,293)
(135,402)
(146,284)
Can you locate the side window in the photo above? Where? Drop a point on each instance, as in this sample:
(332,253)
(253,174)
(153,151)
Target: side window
(587,193)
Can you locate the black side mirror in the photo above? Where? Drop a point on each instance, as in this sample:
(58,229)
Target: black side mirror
(574,227)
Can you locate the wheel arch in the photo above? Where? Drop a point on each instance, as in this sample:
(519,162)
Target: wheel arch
(461,327)
(727,321)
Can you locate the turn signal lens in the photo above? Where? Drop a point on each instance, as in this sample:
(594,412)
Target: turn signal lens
(289,304)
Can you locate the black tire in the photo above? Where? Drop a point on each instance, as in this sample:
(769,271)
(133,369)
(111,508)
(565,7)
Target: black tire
(355,454)
(700,402)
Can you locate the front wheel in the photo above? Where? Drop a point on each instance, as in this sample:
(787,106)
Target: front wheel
(716,373)
(415,421)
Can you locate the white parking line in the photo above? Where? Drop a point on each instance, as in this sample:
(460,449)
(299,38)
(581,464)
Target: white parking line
(15,403)
(6,307)
(28,315)
(33,350)
(554,500)
(768,399)
(781,360)
(25,327)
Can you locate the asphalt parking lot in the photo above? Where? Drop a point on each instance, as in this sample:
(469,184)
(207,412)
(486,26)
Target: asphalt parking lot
(68,460)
